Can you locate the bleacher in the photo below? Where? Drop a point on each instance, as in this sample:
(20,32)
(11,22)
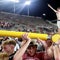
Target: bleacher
(23,22)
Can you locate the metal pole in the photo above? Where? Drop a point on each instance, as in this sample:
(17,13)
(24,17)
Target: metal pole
(28,10)
(14,7)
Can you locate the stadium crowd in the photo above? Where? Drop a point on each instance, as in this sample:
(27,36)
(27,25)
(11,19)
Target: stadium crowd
(6,25)
(25,23)
(28,49)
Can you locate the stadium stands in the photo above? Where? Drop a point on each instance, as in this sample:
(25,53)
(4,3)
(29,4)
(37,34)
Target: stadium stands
(11,21)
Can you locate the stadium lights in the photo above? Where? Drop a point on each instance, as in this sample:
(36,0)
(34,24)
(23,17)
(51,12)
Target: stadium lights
(27,2)
(44,14)
(16,1)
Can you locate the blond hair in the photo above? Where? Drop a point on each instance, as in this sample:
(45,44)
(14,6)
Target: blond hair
(8,42)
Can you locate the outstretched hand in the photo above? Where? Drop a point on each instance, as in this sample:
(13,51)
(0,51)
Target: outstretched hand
(42,42)
(56,51)
(25,37)
(52,8)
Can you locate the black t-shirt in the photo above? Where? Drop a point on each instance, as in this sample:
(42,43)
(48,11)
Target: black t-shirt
(11,56)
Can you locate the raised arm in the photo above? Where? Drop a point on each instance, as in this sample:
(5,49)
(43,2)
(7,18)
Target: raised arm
(48,49)
(52,8)
(22,50)
(56,50)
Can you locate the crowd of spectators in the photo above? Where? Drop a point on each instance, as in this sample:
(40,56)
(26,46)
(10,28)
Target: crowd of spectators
(25,48)
(6,25)
(25,23)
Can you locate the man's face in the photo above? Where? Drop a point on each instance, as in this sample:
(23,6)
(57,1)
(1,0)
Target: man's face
(31,50)
(9,48)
